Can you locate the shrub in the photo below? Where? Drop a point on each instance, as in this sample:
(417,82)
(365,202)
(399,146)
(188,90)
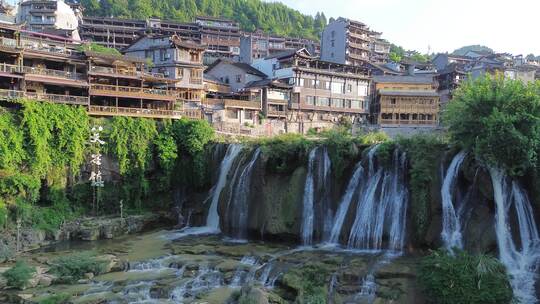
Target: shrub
(72,268)
(61,298)
(341,149)
(373,138)
(285,152)
(464,278)
(498,120)
(19,275)
(6,253)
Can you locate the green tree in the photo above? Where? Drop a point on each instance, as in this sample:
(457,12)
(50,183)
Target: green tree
(476,47)
(499,120)
(19,275)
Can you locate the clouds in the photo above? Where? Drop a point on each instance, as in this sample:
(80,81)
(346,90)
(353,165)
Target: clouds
(510,26)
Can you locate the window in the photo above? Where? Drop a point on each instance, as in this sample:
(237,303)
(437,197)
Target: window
(163,54)
(36,18)
(301,82)
(323,101)
(195,76)
(333,34)
(392,101)
(338,103)
(362,89)
(332,55)
(232,114)
(310,100)
(349,88)
(327,85)
(333,43)
(194,57)
(338,87)
(238,78)
(248,114)
(356,104)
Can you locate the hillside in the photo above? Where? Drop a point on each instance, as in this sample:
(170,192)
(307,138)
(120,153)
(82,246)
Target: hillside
(274,18)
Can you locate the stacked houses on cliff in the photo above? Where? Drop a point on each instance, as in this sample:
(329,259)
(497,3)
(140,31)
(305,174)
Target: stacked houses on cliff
(253,83)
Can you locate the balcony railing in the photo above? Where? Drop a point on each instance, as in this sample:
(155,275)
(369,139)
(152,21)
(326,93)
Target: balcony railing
(12,43)
(52,73)
(276,113)
(358,56)
(359,46)
(113,71)
(9,68)
(233,103)
(44,47)
(133,92)
(55,98)
(134,112)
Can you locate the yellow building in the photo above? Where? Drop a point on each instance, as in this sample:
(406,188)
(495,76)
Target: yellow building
(406,100)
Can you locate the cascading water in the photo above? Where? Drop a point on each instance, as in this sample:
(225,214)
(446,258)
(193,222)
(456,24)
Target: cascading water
(240,199)
(344,204)
(383,204)
(317,196)
(308,213)
(521,264)
(212,221)
(451,230)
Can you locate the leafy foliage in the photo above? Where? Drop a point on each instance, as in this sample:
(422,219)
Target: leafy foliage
(398,53)
(71,268)
(94,47)
(19,275)
(342,149)
(499,120)
(373,138)
(464,278)
(285,151)
(271,17)
(423,152)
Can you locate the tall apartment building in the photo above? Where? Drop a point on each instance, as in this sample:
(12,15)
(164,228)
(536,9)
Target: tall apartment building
(50,68)
(258,45)
(50,16)
(351,42)
(221,37)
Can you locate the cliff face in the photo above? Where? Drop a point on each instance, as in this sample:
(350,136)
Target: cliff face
(274,201)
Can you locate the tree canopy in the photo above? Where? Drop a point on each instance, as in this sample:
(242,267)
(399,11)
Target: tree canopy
(498,120)
(478,48)
(271,17)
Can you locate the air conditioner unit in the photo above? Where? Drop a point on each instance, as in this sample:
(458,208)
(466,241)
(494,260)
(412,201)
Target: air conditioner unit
(167,56)
(166,73)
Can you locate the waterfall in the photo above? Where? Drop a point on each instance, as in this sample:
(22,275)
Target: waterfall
(308,213)
(240,200)
(316,201)
(522,263)
(382,205)
(344,204)
(233,150)
(451,231)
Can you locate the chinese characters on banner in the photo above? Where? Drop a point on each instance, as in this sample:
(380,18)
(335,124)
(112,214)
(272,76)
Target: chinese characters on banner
(96,179)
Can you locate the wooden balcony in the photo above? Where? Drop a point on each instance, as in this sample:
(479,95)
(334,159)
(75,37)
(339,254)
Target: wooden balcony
(359,46)
(133,112)
(132,92)
(301,107)
(9,68)
(54,98)
(276,113)
(53,73)
(358,56)
(112,71)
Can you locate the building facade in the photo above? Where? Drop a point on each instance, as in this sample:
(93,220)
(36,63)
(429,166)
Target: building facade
(259,45)
(404,101)
(179,60)
(49,68)
(350,42)
(322,93)
(50,16)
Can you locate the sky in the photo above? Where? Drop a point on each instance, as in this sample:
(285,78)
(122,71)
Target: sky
(441,25)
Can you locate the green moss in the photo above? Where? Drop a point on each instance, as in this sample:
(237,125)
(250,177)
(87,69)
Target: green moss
(310,282)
